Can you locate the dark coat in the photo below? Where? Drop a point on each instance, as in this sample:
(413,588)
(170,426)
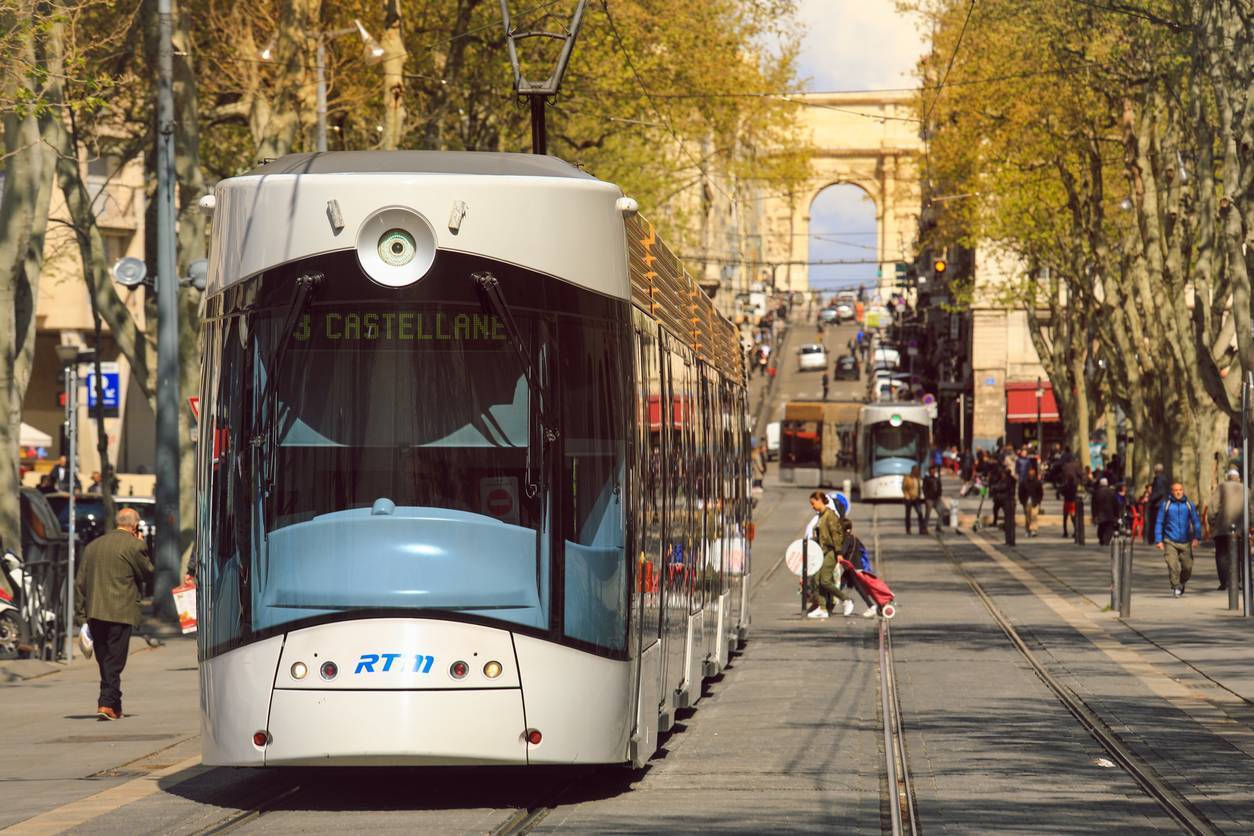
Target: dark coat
(1105,505)
(1031,491)
(931,487)
(108,582)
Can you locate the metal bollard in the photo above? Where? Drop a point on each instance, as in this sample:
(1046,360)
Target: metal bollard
(1079,519)
(1009,514)
(805,561)
(1125,576)
(1116,574)
(1234,587)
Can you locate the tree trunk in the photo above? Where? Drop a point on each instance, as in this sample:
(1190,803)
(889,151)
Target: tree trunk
(393,78)
(23,220)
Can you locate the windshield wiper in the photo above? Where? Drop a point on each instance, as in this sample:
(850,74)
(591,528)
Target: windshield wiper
(489,288)
(303,294)
(491,298)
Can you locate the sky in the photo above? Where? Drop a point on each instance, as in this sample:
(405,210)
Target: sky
(852,45)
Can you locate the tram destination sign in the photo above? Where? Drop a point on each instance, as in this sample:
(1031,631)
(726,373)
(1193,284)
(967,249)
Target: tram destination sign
(355,326)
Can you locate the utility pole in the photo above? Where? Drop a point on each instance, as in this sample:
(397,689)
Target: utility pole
(168,526)
(539,91)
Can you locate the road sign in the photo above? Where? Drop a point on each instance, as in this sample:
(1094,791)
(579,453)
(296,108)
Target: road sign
(111,379)
(498,496)
(902,268)
(193,404)
(912,351)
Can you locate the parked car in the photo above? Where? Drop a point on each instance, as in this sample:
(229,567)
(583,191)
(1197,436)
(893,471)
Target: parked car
(844,311)
(812,357)
(89,516)
(829,315)
(846,368)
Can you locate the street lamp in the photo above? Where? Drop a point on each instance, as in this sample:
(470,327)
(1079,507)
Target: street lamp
(70,356)
(374,54)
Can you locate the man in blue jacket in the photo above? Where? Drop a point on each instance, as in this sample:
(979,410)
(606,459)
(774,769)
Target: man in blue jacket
(1175,534)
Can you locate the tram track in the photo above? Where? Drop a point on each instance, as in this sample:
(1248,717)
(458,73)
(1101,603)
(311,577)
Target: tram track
(899,796)
(1182,811)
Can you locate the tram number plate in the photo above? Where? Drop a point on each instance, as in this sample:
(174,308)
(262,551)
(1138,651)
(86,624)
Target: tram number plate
(392,662)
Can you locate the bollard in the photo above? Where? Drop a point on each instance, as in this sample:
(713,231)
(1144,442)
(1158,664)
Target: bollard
(846,488)
(1234,586)
(805,560)
(1125,575)
(1079,519)
(1009,514)
(1116,572)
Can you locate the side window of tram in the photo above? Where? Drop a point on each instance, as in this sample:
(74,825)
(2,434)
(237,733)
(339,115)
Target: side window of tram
(223,593)
(594,440)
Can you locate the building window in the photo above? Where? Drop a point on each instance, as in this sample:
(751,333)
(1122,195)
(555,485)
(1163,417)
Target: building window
(116,243)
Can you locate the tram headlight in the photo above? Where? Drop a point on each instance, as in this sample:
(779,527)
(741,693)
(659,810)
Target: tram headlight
(396,247)
(299,669)
(492,669)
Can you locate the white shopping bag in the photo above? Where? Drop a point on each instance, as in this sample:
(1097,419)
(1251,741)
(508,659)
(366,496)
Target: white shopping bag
(85,641)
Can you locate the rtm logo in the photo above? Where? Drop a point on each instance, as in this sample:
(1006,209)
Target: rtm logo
(390,661)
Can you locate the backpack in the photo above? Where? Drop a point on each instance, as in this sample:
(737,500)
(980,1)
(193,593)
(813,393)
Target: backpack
(860,559)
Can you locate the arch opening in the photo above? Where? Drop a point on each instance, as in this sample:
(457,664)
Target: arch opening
(843,227)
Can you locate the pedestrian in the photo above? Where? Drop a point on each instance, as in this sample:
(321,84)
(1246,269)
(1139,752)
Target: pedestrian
(1104,510)
(855,552)
(910,491)
(108,586)
(1031,493)
(1001,489)
(1176,532)
(1225,514)
(94,487)
(825,384)
(61,475)
(1068,490)
(932,499)
(1159,489)
(830,537)
(47,484)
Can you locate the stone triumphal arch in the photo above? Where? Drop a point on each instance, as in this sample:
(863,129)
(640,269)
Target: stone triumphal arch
(870,141)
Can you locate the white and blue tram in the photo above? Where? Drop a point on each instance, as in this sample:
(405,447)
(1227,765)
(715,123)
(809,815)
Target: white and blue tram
(473,468)
(892,439)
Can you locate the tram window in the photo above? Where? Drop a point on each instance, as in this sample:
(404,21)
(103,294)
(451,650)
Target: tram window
(801,443)
(592,383)
(894,450)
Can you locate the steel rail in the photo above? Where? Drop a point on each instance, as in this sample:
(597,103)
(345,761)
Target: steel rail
(1174,804)
(903,816)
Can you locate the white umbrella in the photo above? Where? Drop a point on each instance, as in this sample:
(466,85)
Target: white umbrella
(32,437)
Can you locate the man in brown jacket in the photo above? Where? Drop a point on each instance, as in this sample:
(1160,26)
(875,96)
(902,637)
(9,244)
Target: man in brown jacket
(107,591)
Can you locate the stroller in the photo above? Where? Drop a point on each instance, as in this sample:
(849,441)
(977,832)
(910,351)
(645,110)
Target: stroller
(874,588)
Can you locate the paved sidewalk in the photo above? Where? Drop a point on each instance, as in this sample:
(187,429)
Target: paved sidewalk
(55,749)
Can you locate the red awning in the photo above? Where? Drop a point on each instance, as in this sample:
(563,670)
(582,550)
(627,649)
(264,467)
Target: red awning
(1021,404)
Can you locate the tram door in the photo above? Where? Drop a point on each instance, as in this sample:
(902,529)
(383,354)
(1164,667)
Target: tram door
(647,493)
(676,545)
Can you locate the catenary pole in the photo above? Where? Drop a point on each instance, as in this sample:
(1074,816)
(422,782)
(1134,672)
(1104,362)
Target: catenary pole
(1245,493)
(167,447)
(71,420)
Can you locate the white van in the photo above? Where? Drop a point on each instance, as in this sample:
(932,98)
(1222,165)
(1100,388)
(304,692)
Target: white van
(772,441)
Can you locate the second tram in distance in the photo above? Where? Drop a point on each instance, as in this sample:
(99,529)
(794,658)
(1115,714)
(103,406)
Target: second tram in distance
(473,468)
(892,439)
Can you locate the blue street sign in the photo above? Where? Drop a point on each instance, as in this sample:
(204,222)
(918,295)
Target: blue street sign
(112,389)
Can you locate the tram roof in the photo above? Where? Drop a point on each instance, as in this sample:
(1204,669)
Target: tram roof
(486,163)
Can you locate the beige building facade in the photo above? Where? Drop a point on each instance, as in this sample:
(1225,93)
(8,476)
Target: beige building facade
(63,317)
(1005,366)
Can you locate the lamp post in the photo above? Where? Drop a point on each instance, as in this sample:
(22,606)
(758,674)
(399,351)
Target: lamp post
(1040,438)
(70,356)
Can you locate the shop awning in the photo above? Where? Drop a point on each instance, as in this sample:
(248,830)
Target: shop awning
(31,437)
(1021,403)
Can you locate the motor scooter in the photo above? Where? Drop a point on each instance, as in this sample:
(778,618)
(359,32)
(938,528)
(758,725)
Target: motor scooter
(21,609)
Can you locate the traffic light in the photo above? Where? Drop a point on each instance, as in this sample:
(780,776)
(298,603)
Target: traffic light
(938,267)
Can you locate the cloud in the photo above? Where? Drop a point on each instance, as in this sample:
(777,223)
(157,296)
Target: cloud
(858,44)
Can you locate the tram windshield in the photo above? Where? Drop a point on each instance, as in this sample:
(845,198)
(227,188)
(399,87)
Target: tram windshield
(893,450)
(399,460)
